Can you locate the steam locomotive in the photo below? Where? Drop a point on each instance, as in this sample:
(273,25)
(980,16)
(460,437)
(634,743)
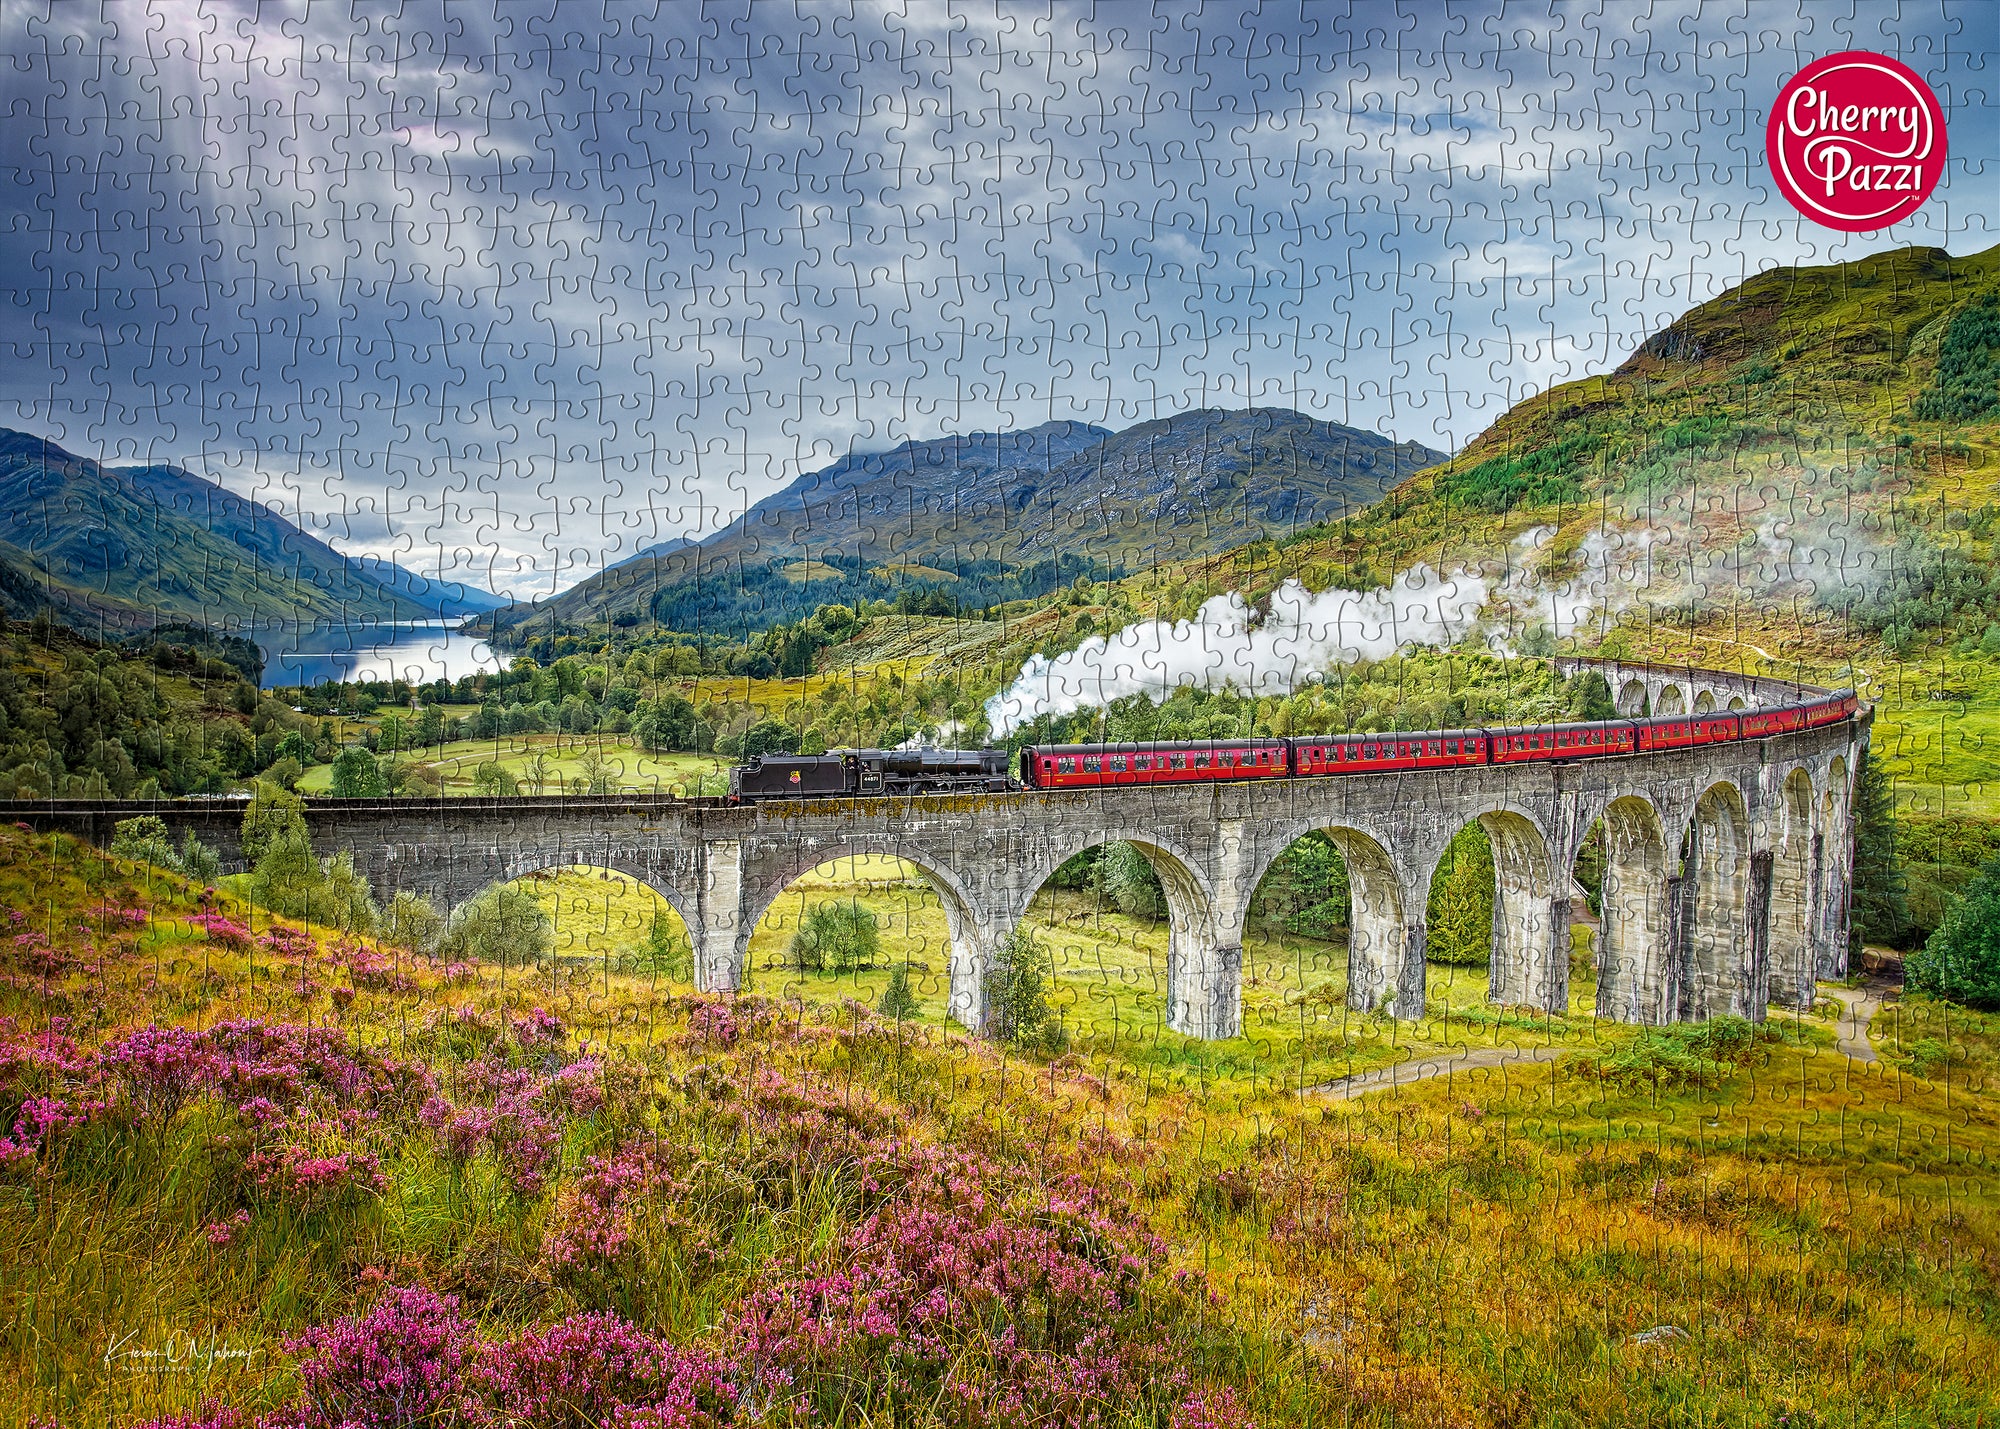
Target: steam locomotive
(871,771)
(1091,766)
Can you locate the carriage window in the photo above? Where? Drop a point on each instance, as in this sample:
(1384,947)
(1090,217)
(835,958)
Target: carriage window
(1201,761)
(1067,764)
(1451,746)
(1092,764)
(1142,761)
(1118,763)
(1180,761)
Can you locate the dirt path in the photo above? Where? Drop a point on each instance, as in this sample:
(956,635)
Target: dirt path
(1858,1008)
(1435,1064)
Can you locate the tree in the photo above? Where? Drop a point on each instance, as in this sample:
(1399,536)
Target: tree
(1961,960)
(836,937)
(768,736)
(667,951)
(1460,918)
(290,880)
(342,899)
(286,877)
(505,924)
(1128,880)
(664,724)
(145,840)
(272,814)
(413,922)
(1017,996)
(1306,890)
(1590,697)
(898,1002)
(491,779)
(1881,910)
(598,774)
(356,775)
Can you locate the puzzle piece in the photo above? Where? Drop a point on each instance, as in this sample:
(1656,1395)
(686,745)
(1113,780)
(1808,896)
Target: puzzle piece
(986,714)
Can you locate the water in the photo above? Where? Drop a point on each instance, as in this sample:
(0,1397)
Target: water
(306,655)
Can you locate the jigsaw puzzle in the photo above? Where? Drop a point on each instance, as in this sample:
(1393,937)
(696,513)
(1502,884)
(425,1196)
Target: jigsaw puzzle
(991,714)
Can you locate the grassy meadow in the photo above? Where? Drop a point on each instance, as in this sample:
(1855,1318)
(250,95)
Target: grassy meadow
(1781,1236)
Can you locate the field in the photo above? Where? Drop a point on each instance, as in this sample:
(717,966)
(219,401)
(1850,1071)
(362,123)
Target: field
(550,763)
(1637,1230)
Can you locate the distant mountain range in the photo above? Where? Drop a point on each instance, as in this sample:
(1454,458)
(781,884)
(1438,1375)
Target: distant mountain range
(129,547)
(970,507)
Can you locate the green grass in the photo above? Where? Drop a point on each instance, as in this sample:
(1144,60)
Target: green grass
(1479,1248)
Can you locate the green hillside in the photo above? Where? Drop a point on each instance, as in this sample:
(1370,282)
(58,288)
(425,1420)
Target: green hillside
(135,545)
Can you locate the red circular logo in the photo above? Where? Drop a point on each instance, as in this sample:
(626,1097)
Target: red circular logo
(1856,141)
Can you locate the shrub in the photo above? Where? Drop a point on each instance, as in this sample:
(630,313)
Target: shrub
(413,922)
(836,937)
(504,924)
(1017,996)
(1960,962)
(402,1363)
(145,840)
(272,814)
(1681,1058)
(583,1371)
(667,952)
(898,1003)
(198,861)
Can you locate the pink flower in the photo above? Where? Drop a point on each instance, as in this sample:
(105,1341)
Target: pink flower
(581,1372)
(221,930)
(221,1233)
(402,1363)
(161,1068)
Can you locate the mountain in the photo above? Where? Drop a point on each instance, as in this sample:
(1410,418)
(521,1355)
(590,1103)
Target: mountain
(977,506)
(447,600)
(145,543)
(1794,371)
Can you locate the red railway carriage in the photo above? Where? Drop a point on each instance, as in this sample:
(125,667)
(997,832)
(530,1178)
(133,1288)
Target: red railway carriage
(1843,704)
(1356,753)
(1756,724)
(1096,766)
(1563,741)
(1685,731)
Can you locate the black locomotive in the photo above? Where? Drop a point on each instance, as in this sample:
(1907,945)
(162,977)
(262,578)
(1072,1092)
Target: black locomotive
(871,771)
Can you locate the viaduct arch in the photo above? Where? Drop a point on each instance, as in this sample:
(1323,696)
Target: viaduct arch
(1727,883)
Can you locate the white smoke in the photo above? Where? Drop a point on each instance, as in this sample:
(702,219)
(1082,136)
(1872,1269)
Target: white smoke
(1229,645)
(1603,577)
(1302,635)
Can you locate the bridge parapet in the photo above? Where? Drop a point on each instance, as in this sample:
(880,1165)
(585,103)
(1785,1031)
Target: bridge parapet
(1639,689)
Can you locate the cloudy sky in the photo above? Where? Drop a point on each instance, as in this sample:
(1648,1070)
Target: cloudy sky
(511,290)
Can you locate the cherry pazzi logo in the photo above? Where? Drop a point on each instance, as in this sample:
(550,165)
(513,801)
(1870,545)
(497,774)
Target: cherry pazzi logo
(1856,141)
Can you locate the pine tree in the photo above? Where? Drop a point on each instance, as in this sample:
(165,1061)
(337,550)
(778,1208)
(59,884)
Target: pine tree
(898,1003)
(1881,904)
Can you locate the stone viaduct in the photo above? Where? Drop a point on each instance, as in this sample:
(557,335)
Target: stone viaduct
(1726,885)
